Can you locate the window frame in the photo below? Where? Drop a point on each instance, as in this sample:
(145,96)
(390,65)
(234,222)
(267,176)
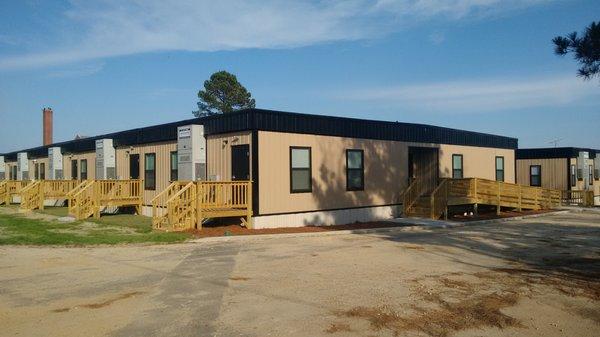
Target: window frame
(309,189)
(362,170)
(42,171)
(462,166)
(81,172)
(74,169)
(539,175)
(148,172)
(573,175)
(591,175)
(503,167)
(173,169)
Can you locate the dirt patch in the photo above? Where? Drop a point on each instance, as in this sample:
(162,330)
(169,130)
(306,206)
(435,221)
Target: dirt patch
(454,302)
(450,317)
(567,284)
(338,327)
(103,304)
(239,278)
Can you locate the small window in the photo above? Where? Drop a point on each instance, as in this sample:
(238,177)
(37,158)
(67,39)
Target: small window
(457,166)
(355,170)
(174,166)
(591,175)
(150,171)
(535,175)
(42,171)
(83,174)
(300,170)
(36,171)
(573,176)
(597,173)
(499,168)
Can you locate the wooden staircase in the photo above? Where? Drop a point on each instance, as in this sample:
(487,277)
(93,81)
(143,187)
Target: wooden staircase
(3,192)
(32,196)
(91,196)
(186,205)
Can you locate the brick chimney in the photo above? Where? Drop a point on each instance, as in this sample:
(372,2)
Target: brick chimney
(47,126)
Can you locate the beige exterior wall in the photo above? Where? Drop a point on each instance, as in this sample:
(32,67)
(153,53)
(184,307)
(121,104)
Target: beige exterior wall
(581,183)
(91,164)
(385,176)
(218,153)
(385,162)
(163,164)
(554,172)
(38,161)
(9,166)
(478,162)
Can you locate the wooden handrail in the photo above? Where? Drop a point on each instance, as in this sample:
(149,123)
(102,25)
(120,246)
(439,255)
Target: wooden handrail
(412,193)
(32,196)
(179,208)
(439,200)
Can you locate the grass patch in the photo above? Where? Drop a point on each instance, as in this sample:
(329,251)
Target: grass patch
(56,211)
(113,229)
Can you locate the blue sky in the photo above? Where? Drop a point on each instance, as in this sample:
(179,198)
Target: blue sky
(482,65)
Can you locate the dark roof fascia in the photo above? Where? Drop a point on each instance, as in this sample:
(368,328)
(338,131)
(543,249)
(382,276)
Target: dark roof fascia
(143,135)
(554,152)
(288,122)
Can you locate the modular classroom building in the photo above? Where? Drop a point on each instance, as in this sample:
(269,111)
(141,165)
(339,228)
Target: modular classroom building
(306,169)
(562,168)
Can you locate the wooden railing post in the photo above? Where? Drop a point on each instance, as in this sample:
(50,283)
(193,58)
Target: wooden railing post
(249,205)
(498,186)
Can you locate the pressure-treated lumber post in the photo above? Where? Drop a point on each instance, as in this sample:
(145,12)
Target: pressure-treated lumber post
(520,207)
(249,205)
(447,189)
(199,200)
(96,200)
(476,205)
(498,197)
(42,197)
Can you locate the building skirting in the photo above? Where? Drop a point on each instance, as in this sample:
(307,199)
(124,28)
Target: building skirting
(328,218)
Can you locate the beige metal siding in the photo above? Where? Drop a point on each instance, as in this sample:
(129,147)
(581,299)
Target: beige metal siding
(386,170)
(91,164)
(218,153)
(38,161)
(478,162)
(163,164)
(554,172)
(385,163)
(9,168)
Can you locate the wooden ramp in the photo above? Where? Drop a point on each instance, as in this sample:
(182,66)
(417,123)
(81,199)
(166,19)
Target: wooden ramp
(185,205)
(476,191)
(90,197)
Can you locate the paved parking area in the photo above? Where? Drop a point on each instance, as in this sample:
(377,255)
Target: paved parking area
(535,277)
